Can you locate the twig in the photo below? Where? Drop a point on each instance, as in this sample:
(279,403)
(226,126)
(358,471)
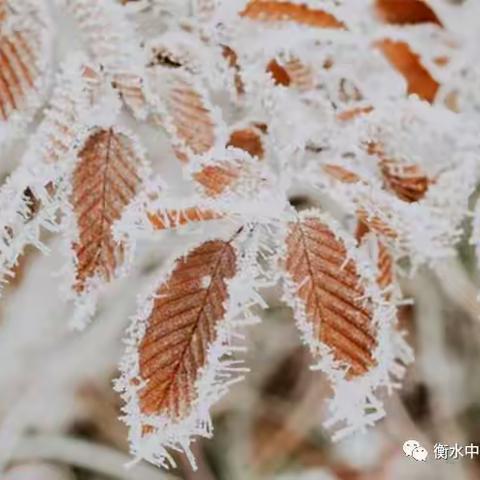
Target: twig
(87,455)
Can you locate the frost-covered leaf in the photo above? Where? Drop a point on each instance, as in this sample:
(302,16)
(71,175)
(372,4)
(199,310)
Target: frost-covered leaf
(170,218)
(175,368)
(215,179)
(409,64)
(189,118)
(406,12)
(328,284)
(280,11)
(232,58)
(343,317)
(182,327)
(25,44)
(44,163)
(114,44)
(248,139)
(376,224)
(107,177)
(340,173)
(407,181)
(292,73)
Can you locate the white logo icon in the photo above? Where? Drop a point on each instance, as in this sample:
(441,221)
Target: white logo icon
(412,448)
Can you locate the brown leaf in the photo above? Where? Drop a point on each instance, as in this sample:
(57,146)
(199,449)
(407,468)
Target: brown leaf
(292,73)
(182,326)
(408,64)
(215,179)
(248,139)
(385,263)
(191,118)
(279,74)
(352,113)
(175,218)
(408,182)
(340,173)
(375,224)
(130,89)
(18,69)
(105,180)
(402,12)
(274,10)
(232,58)
(385,266)
(330,288)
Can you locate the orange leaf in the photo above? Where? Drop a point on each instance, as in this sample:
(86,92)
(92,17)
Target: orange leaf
(231,56)
(217,178)
(18,69)
(385,263)
(175,218)
(341,173)
(401,57)
(191,118)
(401,12)
(329,286)
(407,181)
(292,73)
(385,266)
(271,11)
(248,139)
(347,115)
(182,326)
(279,74)
(105,180)
(375,224)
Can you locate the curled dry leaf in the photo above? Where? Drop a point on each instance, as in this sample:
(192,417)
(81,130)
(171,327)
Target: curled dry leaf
(105,180)
(402,12)
(181,328)
(175,218)
(408,64)
(274,11)
(329,286)
(248,139)
(408,182)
